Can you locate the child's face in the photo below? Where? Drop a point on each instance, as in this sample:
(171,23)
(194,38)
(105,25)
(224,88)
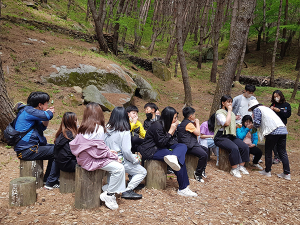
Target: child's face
(133,114)
(192,117)
(175,118)
(149,110)
(248,122)
(44,106)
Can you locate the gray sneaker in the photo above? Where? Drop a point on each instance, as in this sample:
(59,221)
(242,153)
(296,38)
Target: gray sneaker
(284,176)
(263,172)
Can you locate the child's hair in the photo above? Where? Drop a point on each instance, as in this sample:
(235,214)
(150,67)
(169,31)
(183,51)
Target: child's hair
(282,98)
(68,123)
(37,97)
(211,122)
(250,88)
(119,120)
(92,116)
(245,119)
(225,98)
(132,108)
(151,105)
(166,117)
(187,111)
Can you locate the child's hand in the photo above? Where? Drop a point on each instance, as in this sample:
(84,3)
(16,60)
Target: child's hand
(51,109)
(113,151)
(157,113)
(197,122)
(250,126)
(134,119)
(119,160)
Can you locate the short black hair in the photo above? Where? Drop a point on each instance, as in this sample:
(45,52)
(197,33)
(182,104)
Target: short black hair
(187,111)
(245,119)
(166,117)
(151,105)
(37,97)
(119,120)
(132,108)
(250,88)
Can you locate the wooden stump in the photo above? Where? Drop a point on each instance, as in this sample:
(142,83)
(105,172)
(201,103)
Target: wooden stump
(191,162)
(22,191)
(67,182)
(88,187)
(247,164)
(261,146)
(156,174)
(224,163)
(33,169)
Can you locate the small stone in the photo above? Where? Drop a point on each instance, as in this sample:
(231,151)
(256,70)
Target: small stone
(36,220)
(121,211)
(19,213)
(43,200)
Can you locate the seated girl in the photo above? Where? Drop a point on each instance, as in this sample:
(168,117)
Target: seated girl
(248,134)
(92,153)
(64,158)
(207,136)
(159,140)
(118,138)
(225,138)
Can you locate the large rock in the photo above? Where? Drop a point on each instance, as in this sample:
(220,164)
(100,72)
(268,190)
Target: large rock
(144,89)
(112,79)
(92,94)
(161,71)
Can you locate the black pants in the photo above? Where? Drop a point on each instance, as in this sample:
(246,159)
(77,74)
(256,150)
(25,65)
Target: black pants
(257,154)
(276,156)
(202,154)
(280,141)
(238,150)
(135,143)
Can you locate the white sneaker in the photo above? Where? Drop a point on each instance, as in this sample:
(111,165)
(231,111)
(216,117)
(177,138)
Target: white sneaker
(258,166)
(284,176)
(110,201)
(243,170)
(236,173)
(172,161)
(217,164)
(260,161)
(263,172)
(187,192)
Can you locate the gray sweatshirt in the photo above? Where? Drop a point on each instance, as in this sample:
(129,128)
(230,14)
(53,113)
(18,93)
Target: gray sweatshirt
(121,143)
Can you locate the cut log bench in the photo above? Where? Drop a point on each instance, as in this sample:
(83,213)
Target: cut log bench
(33,169)
(67,182)
(224,163)
(156,174)
(191,162)
(88,187)
(22,191)
(261,146)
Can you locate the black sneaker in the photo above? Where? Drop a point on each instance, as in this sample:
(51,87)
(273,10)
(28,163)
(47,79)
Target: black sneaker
(51,186)
(198,178)
(131,195)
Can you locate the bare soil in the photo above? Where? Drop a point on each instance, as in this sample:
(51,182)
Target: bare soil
(222,199)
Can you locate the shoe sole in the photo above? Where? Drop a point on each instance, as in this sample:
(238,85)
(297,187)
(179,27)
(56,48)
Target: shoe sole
(265,175)
(107,205)
(173,165)
(187,195)
(284,177)
(132,198)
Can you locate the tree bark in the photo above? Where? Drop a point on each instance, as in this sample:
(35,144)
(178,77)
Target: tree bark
(87,12)
(6,107)
(236,44)
(234,15)
(259,39)
(295,87)
(238,74)
(283,44)
(298,60)
(33,169)
(217,27)
(116,28)
(272,79)
(264,63)
(182,61)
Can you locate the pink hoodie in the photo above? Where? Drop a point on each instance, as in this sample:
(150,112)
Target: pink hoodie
(91,154)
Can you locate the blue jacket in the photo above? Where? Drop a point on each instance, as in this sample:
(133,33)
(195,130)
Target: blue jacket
(26,118)
(242,132)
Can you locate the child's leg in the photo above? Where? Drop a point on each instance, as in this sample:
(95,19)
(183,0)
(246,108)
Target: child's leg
(243,149)
(116,177)
(257,154)
(202,155)
(138,174)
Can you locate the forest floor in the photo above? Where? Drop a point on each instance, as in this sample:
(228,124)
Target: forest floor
(222,199)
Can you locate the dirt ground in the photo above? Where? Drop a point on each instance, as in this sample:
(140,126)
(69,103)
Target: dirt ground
(222,199)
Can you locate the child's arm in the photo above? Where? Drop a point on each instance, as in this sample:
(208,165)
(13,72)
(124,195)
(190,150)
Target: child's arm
(242,132)
(142,130)
(254,138)
(203,136)
(126,148)
(36,114)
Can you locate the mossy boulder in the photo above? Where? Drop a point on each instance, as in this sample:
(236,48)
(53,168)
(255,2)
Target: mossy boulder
(161,71)
(144,89)
(111,79)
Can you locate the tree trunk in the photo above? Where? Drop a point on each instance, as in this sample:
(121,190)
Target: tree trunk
(234,15)
(116,28)
(238,74)
(87,12)
(182,61)
(295,87)
(0,8)
(33,169)
(98,19)
(176,67)
(259,39)
(236,44)
(272,79)
(264,63)
(171,45)
(298,110)
(6,107)
(217,28)
(283,44)
(298,60)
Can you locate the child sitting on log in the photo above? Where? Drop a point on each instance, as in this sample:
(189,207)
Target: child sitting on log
(188,131)
(92,153)
(118,138)
(248,134)
(64,158)
(152,114)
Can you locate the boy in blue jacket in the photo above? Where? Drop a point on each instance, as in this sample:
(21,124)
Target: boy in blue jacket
(248,134)
(33,146)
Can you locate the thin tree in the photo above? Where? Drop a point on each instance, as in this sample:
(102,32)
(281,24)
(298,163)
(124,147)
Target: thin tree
(295,87)
(116,28)
(272,79)
(236,44)
(283,44)
(238,73)
(298,60)
(264,55)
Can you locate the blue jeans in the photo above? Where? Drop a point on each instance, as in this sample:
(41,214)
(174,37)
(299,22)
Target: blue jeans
(179,150)
(42,153)
(211,144)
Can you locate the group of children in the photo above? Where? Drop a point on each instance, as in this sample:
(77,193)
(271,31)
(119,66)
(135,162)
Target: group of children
(116,147)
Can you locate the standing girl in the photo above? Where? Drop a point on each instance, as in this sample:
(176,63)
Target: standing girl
(92,153)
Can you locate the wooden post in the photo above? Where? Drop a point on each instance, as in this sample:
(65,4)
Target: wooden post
(67,182)
(156,174)
(22,191)
(33,169)
(261,146)
(224,163)
(191,162)
(88,187)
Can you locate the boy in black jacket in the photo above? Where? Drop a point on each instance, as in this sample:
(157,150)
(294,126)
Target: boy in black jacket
(188,131)
(151,110)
